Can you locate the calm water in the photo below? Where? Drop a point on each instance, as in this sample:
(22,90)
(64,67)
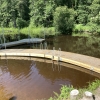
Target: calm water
(32,80)
(83,45)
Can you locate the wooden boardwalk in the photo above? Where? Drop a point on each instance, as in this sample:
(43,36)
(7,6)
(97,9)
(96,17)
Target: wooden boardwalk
(83,61)
(23,41)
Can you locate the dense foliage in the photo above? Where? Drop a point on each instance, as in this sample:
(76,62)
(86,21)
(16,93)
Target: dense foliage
(64,19)
(49,13)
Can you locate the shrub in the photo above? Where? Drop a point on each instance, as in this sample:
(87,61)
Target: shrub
(21,23)
(64,19)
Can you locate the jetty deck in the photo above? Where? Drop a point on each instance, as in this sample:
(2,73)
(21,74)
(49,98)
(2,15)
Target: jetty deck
(87,62)
(20,42)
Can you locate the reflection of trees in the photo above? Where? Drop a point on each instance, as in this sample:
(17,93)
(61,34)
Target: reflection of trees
(16,67)
(3,66)
(88,46)
(83,45)
(53,72)
(77,78)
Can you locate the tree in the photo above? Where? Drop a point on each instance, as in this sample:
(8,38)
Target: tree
(64,19)
(21,23)
(94,15)
(82,9)
(5,12)
(41,12)
(23,9)
(14,14)
(10,10)
(82,14)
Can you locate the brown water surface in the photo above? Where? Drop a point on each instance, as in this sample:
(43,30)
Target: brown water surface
(83,45)
(34,80)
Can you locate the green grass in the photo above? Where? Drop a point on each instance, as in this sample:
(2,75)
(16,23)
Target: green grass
(29,30)
(65,91)
(81,34)
(91,87)
(12,34)
(90,28)
(81,28)
(38,31)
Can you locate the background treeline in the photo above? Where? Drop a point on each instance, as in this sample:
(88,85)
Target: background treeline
(64,15)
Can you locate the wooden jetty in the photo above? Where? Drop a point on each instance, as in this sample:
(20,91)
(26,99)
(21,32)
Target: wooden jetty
(83,61)
(20,42)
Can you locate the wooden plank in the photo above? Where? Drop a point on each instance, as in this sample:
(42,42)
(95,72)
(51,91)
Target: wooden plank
(23,41)
(87,62)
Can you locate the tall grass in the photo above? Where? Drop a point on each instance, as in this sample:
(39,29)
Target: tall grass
(89,28)
(38,31)
(65,91)
(82,28)
(12,34)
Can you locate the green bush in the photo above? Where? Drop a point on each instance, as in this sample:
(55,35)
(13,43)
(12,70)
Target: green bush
(64,95)
(64,19)
(21,23)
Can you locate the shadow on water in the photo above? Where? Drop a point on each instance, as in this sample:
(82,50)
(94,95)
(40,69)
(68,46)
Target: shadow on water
(13,98)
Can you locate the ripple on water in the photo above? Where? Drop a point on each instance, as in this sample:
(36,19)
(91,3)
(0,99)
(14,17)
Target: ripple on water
(29,80)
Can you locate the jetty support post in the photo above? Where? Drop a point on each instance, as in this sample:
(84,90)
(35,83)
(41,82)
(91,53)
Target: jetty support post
(53,53)
(74,94)
(4,38)
(59,54)
(88,95)
(41,46)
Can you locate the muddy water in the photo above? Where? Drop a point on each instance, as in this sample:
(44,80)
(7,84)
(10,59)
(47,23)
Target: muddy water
(34,80)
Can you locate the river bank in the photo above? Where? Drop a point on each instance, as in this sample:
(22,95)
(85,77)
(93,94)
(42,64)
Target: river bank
(96,94)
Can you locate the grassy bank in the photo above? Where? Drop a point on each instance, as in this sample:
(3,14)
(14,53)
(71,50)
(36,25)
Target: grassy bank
(12,34)
(86,29)
(65,91)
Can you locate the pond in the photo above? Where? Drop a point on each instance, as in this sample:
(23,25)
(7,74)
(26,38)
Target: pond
(33,80)
(36,79)
(83,45)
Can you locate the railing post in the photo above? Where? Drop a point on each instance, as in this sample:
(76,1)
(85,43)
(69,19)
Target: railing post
(53,53)
(59,55)
(45,45)
(88,95)
(4,38)
(73,94)
(41,46)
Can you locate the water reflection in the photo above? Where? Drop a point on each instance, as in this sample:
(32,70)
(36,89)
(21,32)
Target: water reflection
(15,67)
(90,45)
(82,45)
(56,67)
(30,80)
(59,72)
